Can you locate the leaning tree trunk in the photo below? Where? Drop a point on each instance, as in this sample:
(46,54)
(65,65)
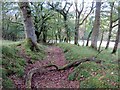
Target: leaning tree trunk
(88,38)
(101,41)
(96,26)
(117,40)
(28,25)
(110,27)
(118,33)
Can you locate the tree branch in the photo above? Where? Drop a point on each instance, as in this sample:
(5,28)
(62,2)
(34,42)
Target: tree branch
(45,69)
(54,8)
(69,8)
(114,25)
(82,8)
(64,6)
(115,20)
(87,14)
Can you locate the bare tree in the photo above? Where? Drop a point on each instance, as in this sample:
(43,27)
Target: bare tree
(96,26)
(77,20)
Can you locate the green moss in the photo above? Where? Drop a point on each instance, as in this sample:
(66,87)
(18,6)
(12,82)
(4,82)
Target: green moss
(8,83)
(9,51)
(27,43)
(13,63)
(36,55)
(72,76)
(3,73)
(91,74)
(74,52)
(93,82)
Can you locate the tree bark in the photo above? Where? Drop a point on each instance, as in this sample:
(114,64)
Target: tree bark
(66,28)
(101,41)
(59,35)
(117,40)
(29,27)
(110,27)
(76,29)
(89,38)
(96,26)
(44,35)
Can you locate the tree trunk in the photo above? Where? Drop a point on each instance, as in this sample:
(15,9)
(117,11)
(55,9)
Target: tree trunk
(76,29)
(69,38)
(117,40)
(110,27)
(59,28)
(38,35)
(28,25)
(96,26)
(44,35)
(89,38)
(59,35)
(118,33)
(44,69)
(101,41)
(66,28)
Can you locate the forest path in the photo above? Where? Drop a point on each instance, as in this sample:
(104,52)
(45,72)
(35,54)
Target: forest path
(53,79)
(56,79)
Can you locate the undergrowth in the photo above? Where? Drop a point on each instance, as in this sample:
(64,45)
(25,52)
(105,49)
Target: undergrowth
(91,74)
(13,63)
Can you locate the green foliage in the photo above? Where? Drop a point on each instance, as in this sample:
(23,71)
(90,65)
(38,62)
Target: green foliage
(8,51)
(8,83)
(3,73)
(72,76)
(11,61)
(12,27)
(33,54)
(91,74)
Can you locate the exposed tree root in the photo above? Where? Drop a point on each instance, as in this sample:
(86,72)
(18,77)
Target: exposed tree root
(32,45)
(44,69)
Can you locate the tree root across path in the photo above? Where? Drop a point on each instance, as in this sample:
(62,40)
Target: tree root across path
(44,69)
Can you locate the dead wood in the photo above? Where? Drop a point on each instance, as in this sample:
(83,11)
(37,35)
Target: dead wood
(45,69)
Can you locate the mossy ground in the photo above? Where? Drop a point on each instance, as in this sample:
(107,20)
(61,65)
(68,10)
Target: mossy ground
(12,63)
(91,74)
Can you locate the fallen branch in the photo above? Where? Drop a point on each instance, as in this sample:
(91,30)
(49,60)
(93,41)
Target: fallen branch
(44,69)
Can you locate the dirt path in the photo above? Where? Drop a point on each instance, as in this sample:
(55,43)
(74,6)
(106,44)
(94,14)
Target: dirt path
(58,79)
